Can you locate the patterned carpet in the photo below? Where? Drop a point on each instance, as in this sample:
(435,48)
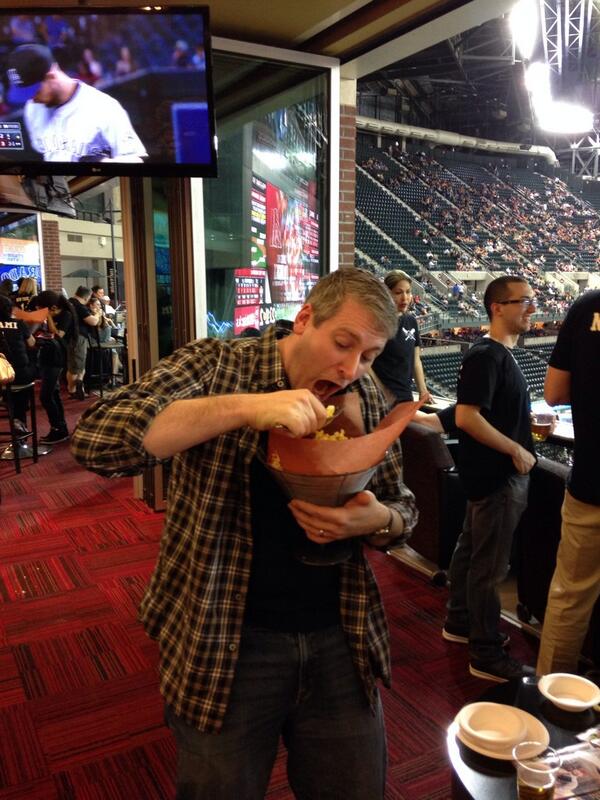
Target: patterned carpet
(80,713)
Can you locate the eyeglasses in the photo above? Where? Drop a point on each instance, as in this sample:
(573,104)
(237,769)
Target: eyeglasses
(523,301)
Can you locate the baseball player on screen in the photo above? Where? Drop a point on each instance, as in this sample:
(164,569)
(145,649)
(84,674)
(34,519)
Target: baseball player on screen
(68,120)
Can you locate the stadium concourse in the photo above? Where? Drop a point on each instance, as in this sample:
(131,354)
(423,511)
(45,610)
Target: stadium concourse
(454,221)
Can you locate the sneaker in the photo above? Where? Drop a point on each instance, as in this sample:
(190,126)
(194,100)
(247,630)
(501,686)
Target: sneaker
(54,436)
(459,634)
(501,670)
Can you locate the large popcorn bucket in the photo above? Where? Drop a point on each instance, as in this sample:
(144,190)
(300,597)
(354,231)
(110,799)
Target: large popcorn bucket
(329,473)
(323,490)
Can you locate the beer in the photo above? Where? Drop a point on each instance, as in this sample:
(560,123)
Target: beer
(536,775)
(541,425)
(529,792)
(540,431)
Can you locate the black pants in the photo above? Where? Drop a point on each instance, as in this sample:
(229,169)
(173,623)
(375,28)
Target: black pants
(50,396)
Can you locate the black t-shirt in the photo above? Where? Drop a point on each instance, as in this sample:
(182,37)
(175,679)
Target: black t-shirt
(394,365)
(64,322)
(490,378)
(82,313)
(284,594)
(22,301)
(58,356)
(15,333)
(577,351)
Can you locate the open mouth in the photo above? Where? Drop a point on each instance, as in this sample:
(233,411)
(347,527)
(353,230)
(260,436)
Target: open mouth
(325,389)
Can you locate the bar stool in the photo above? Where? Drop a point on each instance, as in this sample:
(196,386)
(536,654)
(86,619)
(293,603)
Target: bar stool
(17,438)
(96,365)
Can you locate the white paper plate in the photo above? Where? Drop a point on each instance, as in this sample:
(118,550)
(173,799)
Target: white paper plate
(535,731)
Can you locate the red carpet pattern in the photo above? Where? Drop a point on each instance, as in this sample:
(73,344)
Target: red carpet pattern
(80,713)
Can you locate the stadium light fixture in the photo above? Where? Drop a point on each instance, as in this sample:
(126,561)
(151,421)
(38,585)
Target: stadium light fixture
(561,117)
(537,81)
(554,116)
(524,26)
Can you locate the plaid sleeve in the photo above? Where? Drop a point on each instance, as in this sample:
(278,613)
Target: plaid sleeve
(108,438)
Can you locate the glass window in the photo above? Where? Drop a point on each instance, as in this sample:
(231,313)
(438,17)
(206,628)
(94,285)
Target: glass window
(19,251)
(265,215)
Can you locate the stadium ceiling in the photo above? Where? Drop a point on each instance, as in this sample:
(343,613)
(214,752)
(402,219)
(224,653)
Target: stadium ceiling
(473,81)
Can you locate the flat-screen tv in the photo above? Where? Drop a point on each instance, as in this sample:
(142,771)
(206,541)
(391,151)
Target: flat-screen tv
(106,91)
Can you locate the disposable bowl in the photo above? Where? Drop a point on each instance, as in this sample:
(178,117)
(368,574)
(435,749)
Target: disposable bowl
(494,725)
(569,692)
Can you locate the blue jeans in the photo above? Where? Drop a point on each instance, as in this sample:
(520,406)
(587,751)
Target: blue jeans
(480,563)
(300,685)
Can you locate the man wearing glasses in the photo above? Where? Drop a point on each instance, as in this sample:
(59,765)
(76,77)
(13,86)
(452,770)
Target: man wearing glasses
(495,457)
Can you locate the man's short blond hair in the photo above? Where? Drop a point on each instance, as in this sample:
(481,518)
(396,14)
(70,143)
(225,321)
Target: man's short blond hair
(329,293)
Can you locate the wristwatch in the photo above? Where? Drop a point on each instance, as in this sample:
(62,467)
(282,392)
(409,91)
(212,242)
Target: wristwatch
(387,530)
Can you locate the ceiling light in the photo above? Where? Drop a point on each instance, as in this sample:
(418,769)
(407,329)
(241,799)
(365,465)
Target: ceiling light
(524,26)
(561,117)
(537,81)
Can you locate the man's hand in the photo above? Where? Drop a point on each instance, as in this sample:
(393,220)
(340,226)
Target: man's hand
(296,410)
(359,516)
(425,396)
(523,460)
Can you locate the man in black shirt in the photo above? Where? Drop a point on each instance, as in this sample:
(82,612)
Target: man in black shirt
(78,348)
(495,457)
(573,377)
(15,340)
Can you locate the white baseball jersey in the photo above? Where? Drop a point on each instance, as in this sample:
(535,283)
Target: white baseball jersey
(91,125)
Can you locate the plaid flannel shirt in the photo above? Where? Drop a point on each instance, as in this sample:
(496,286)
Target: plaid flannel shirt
(194,603)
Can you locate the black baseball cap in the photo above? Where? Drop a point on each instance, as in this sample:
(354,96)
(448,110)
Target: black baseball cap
(28,65)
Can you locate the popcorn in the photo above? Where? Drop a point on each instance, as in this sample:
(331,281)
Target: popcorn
(337,436)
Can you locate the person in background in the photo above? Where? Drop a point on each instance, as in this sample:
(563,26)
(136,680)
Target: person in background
(249,332)
(6,287)
(61,332)
(79,344)
(99,293)
(16,341)
(573,377)
(125,64)
(254,642)
(103,325)
(401,357)
(495,456)
(27,290)
(181,55)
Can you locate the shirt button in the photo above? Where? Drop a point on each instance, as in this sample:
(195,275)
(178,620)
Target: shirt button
(238,596)
(281,384)
(232,648)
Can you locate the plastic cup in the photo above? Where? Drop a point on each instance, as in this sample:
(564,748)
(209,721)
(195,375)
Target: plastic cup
(536,768)
(541,425)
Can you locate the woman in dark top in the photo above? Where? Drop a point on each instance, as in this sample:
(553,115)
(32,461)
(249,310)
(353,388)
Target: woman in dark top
(15,340)
(400,360)
(53,359)
(27,291)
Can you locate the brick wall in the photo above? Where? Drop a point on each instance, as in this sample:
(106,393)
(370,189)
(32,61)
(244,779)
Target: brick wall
(51,254)
(347,183)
